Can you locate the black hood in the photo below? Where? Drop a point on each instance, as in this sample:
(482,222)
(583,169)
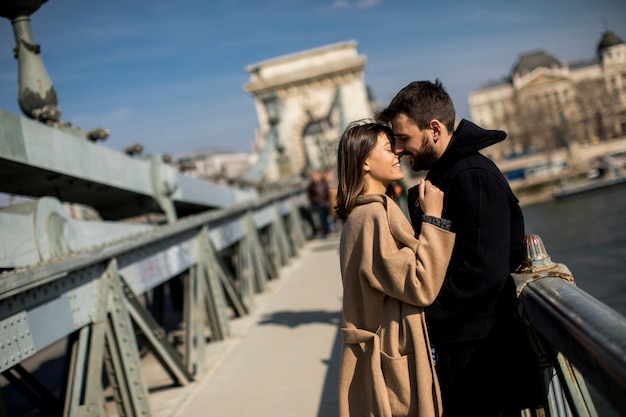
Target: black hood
(468,139)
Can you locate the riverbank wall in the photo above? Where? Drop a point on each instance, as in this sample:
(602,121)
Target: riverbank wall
(540,188)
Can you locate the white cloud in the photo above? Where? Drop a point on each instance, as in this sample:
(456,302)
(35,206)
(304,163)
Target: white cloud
(366,4)
(341,4)
(358,4)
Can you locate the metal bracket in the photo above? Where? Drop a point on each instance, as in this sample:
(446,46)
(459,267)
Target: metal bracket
(109,339)
(156,337)
(205,299)
(261,267)
(279,233)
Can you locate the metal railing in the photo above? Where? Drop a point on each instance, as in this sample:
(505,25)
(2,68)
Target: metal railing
(94,300)
(576,337)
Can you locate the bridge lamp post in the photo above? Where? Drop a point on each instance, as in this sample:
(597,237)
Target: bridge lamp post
(36,94)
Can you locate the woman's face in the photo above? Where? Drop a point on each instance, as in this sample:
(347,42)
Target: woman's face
(382,166)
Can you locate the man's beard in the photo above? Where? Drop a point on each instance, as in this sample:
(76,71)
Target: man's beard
(425,159)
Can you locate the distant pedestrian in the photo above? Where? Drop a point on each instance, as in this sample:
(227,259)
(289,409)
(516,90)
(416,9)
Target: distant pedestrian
(388,276)
(319,196)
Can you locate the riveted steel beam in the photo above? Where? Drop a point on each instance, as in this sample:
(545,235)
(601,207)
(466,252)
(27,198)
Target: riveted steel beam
(156,338)
(109,341)
(93,296)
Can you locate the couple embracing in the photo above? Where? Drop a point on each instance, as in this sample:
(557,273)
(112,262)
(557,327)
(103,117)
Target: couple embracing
(428,305)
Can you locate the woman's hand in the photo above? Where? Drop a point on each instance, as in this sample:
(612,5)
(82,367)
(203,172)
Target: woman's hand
(430,199)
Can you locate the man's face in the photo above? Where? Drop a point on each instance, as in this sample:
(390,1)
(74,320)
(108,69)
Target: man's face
(414,142)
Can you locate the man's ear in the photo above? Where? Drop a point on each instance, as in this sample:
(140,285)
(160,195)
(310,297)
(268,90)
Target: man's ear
(440,131)
(436,126)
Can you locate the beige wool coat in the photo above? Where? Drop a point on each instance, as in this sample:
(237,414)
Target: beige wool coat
(389,276)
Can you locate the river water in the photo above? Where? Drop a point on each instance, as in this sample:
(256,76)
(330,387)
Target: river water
(587,233)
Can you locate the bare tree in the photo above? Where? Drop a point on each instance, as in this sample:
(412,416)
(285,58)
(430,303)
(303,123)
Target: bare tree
(596,109)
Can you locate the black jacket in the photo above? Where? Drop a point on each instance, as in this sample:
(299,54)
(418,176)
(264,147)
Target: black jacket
(485,353)
(489,225)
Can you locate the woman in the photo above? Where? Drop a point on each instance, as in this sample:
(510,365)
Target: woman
(389,276)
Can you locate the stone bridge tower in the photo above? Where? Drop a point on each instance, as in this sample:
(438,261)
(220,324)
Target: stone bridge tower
(303,102)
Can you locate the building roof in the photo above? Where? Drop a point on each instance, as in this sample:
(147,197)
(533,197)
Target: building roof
(505,80)
(583,63)
(536,59)
(609,39)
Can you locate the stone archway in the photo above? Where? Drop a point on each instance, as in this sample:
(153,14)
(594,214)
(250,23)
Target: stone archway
(314,93)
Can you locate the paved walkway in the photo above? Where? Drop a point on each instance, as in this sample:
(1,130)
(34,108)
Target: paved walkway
(282,359)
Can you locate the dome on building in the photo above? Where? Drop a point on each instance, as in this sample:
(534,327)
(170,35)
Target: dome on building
(609,39)
(533,60)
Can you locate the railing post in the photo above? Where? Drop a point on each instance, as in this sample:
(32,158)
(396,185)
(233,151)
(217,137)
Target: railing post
(279,236)
(109,340)
(295,225)
(156,338)
(567,392)
(259,260)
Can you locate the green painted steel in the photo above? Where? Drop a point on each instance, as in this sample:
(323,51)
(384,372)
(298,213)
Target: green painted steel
(91,297)
(37,160)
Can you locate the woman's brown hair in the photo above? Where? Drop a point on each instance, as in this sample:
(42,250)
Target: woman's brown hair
(355,145)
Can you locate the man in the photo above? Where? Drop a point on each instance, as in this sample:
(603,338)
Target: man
(471,323)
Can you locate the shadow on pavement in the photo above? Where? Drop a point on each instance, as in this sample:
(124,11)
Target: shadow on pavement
(329,404)
(294,319)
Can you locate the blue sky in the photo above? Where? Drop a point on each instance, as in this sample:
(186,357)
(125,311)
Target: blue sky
(170,74)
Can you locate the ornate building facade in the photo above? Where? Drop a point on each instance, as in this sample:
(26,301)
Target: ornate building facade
(547,104)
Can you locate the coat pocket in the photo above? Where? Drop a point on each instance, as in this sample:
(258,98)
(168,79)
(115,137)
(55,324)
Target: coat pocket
(400,379)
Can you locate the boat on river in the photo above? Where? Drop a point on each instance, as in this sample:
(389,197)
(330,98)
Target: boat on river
(590,185)
(607,171)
